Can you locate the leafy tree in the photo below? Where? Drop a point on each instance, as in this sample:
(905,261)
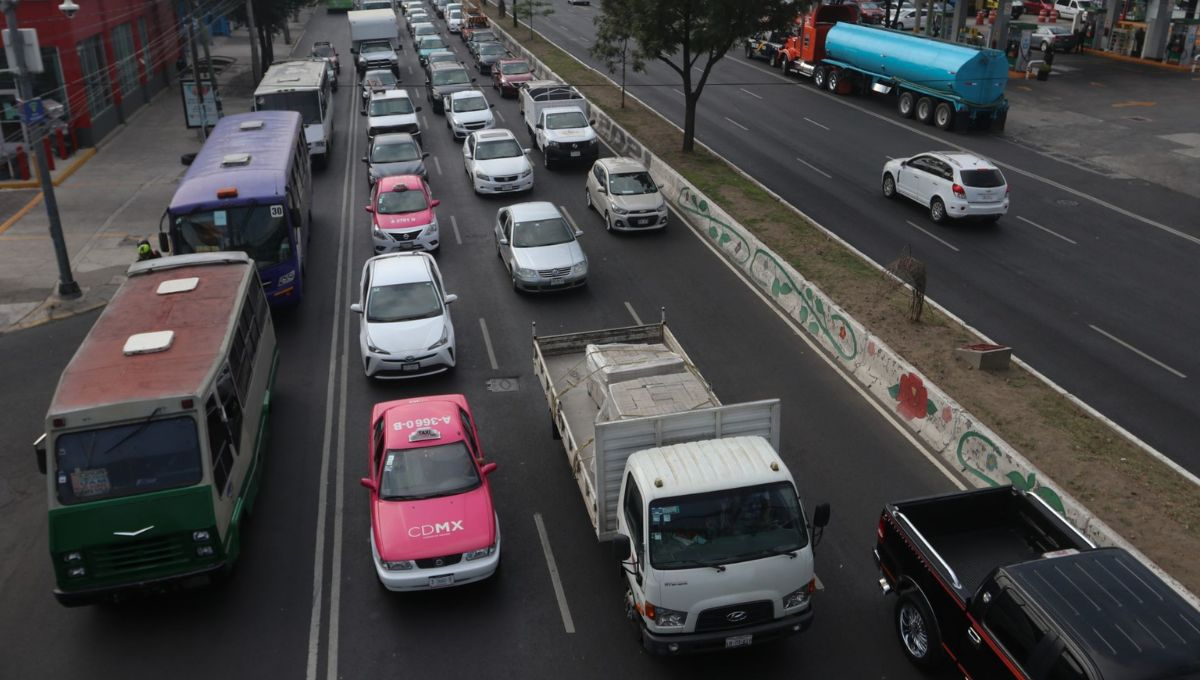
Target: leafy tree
(614,39)
(682,33)
(270,17)
(528,9)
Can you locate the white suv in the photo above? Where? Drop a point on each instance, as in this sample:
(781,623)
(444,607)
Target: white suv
(951,184)
(496,163)
(467,111)
(392,111)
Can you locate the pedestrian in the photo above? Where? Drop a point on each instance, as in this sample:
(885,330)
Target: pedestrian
(1138,37)
(146,252)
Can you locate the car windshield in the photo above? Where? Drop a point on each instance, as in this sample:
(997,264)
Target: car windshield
(305,102)
(1057,30)
(630,183)
(537,233)
(427,472)
(134,458)
(483,36)
(399,202)
(322,51)
(403,302)
(395,152)
(391,106)
(451,76)
(432,43)
(505,148)
(491,48)
(514,68)
(260,231)
(985,179)
(426,30)
(565,121)
(868,5)
(725,526)
(455,15)
(379,79)
(469,104)
(376,47)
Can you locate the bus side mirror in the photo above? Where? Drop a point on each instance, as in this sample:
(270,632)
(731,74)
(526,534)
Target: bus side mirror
(39,448)
(164,242)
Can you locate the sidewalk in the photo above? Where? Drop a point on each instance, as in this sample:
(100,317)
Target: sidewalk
(111,201)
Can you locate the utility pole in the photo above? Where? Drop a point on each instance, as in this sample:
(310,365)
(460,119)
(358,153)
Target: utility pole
(193,23)
(67,287)
(255,61)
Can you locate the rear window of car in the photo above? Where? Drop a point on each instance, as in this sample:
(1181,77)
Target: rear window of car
(982,178)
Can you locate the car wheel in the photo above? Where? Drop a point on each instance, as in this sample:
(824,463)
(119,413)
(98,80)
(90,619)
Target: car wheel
(925,110)
(819,77)
(918,631)
(906,104)
(546,162)
(587,198)
(834,79)
(943,116)
(889,186)
(1045,46)
(937,210)
(607,222)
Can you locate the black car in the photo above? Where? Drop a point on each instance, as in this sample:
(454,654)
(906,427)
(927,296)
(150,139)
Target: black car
(444,79)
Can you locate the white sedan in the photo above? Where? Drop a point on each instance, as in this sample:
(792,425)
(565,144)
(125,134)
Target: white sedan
(496,163)
(406,330)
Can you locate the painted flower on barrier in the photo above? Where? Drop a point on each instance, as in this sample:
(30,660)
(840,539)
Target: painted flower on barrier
(913,398)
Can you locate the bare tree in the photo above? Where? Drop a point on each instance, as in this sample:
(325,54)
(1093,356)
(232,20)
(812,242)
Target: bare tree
(614,39)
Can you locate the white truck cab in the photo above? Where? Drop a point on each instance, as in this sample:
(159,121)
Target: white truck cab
(556,116)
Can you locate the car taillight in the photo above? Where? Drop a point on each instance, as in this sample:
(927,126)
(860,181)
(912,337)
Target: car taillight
(1006,190)
(959,191)
(879,531)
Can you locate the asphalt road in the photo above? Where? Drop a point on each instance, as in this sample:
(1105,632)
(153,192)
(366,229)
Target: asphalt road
(305,602)
(1090,277)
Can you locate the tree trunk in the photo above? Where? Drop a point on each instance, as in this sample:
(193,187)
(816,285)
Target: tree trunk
(287,31)
(689,122)
(264,41)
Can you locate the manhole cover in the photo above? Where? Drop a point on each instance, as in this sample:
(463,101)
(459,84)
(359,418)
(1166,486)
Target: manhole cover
(1067,203)
(503,385)
(1138,119)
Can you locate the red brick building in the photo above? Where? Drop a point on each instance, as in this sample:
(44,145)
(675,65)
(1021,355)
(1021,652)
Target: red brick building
(102,65)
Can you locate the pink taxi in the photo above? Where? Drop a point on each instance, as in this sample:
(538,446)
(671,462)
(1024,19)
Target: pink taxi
(402,216)
(432,521)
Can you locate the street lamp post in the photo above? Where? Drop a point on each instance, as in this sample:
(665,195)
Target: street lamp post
(67,287)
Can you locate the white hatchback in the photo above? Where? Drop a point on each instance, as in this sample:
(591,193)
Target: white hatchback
(406,329)
(496,163)
(950,183)
(625,195)
(467,111)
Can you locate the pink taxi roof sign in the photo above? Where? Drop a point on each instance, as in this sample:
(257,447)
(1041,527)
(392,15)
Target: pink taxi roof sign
(424,434)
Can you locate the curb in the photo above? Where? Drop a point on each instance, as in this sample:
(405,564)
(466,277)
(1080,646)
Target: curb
(949,430)
(83,156)
(1178,68)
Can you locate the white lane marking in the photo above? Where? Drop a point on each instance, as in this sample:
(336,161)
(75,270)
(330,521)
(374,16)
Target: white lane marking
(815,123)
(339,308)
(749,93)
(820,586)
(454,226)
(1136,351)
(499,116)
(487,342)
(568,624)
(736,123)
(1048,231)
(410,71)
(636,319)
(930,235)
(866,396)
(437,164)
(678,92)
(1008,166)
(425,125)
(815,168)
(570,220)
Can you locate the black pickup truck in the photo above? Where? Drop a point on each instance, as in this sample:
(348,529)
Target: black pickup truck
(996,582)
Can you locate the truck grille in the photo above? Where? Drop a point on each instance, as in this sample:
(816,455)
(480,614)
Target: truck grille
(432,562)
(145,555)
(721,618)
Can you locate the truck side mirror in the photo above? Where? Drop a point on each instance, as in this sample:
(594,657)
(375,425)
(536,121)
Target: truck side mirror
(819,520)
(39,449)
(622,550)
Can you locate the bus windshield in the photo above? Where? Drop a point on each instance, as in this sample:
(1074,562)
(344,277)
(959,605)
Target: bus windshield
(260,231)
(127,459)
(721,527)
(306,102)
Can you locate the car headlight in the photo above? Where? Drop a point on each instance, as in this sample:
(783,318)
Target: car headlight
(376,350)
(442,340)
(523,273)
(479,175)
(433,227)
(620,211)
(403,565)
(527,172)
(798,597)
(580,267)
(479,554)
(666,618)
(552,145)
(377,232)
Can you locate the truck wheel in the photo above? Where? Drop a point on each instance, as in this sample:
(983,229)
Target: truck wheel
(906,104)
(925,110)
(943,116)
(834,79)
(918,631)
(889,186)
(819,75)
(998,123)
(937,210)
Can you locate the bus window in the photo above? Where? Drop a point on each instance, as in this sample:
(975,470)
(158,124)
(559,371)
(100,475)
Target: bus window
(308,104)
(123,460)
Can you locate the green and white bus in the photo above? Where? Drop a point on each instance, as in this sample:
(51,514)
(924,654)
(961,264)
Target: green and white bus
(153,448)
(332,6)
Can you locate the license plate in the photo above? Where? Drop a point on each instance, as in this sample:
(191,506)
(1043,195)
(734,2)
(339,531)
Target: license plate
(557,282)
(738,641)
(575,154)
(507,187)
(447,580)
(411,368)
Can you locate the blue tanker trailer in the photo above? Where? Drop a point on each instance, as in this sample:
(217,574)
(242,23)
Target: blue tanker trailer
(947,84)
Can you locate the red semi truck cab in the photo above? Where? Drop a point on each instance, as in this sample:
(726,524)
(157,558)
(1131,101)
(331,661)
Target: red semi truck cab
(808,46)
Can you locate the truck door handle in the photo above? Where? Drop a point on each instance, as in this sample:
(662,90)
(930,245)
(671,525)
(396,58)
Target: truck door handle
(973,635)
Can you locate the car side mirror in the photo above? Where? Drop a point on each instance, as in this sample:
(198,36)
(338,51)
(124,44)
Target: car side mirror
(418,109)
(39,450)
(603,190)
(578,233)
(491,106)
(435,203)
(356,307)
(540,126)
(503,241)
(362,113)
(472,80)
(487,469)
(369,483)
(428,81)
(353,50)
(424,154)
(451,297)
(364,159)
(526,151)
(592,122)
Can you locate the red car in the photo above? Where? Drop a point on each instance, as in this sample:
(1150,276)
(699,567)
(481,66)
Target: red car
(508,74)
(432,520)
(869,12)
(1035,7)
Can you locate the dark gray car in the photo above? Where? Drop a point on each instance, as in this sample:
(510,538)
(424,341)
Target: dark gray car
(444,80)
(488,54)
(395,153)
